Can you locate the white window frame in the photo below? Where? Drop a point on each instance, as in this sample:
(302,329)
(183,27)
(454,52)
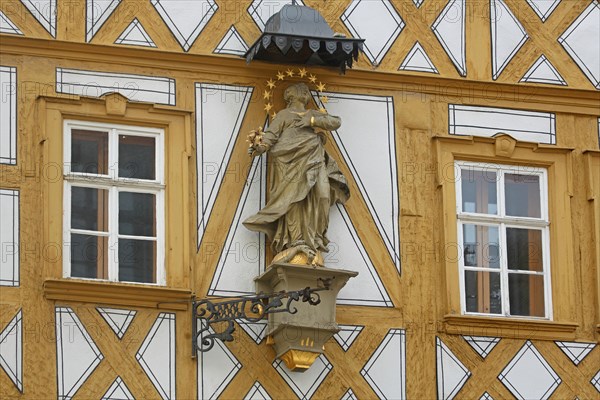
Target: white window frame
(114,184)
(502,221)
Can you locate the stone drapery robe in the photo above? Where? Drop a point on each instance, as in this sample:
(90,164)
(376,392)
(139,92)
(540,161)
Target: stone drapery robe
(304,182)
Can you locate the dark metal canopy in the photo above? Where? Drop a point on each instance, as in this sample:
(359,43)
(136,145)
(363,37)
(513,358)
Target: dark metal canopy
(300,35)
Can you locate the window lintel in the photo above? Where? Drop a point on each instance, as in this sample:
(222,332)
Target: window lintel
(448,149)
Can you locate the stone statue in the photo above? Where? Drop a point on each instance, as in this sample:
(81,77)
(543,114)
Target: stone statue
(304,180)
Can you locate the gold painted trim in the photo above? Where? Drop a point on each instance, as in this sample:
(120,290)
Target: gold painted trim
(467,153)
(123,294)
(557,161)
(589,155)
(177,123)
(537,147)
(591,160)
(554,99)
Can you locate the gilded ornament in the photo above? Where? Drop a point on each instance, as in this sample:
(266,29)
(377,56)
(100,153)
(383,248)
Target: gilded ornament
(254,139)
(298,360)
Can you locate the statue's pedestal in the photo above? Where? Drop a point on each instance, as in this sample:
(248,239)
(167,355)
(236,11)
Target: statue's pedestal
(298,339)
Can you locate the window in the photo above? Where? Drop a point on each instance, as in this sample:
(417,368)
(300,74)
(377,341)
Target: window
(113,202)
(503,233)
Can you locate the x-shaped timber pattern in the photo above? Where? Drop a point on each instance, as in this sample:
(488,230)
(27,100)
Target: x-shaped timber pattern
(257,362)
(575,379)
(543,39)
(119,355)
(542,35)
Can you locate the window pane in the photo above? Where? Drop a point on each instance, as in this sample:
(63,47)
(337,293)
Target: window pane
(137,157)
(89,209)
(479,191)
(481,247)
(522,195)
(89,256)
(89,151)
(137,260)
(482,292)
(526,294)
(136,214)
(524,249)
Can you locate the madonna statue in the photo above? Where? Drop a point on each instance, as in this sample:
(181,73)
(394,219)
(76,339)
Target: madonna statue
(304,181)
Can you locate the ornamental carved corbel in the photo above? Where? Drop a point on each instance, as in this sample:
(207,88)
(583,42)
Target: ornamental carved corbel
(505,145)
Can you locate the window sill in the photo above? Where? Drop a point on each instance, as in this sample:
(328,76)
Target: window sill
(509,327)
(117,294)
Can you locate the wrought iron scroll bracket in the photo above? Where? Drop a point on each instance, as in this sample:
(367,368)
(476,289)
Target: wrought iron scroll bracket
(207,312)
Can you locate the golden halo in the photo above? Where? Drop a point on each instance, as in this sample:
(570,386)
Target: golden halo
(282,76)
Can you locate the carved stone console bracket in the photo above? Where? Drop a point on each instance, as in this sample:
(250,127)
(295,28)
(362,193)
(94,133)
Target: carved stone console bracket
(208,313)
(299,338)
